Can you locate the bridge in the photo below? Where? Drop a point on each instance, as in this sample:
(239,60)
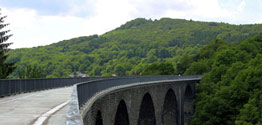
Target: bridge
(114,100)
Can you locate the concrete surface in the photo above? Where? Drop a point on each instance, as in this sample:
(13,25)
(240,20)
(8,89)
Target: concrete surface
(108,100)
(25,109)
(59,118)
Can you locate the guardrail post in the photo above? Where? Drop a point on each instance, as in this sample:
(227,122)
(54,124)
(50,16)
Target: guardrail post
(10,87)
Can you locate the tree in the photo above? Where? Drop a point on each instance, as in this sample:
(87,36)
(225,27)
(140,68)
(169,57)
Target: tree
(5,68)
(163,68)
(197,68)
(184,63)
(31,72)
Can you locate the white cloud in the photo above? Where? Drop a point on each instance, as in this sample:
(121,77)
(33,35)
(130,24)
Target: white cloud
(209,9)
(81,7)
(204,10)
(87,17)
(31,29)
(154,8)
(258,21)
(241,6)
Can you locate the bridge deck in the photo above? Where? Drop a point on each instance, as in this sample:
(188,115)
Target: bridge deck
(34,108)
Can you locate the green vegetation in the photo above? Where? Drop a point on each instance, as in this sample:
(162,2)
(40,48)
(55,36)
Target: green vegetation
(129,48)
(162,68)
(30,72)
(230,91)
(5,68)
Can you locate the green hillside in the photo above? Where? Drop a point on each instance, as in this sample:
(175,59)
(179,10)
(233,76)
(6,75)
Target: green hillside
(129,48)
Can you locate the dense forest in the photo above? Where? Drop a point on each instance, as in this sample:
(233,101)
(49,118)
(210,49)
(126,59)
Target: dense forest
(128,49)
(230,90)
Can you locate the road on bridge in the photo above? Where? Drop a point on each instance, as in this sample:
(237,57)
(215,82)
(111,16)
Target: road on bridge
(36,108)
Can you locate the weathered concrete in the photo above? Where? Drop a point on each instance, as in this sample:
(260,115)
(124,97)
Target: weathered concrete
(133,96)
(73,113)
(25,109)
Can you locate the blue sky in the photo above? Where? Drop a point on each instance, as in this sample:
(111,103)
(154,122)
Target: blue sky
(42,22)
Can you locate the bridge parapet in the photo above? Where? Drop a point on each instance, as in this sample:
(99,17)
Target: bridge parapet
(16,86)
(89,92)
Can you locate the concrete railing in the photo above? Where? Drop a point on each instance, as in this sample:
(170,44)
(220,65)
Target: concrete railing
(82,92)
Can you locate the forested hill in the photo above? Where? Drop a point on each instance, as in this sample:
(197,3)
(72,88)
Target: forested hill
(129,48)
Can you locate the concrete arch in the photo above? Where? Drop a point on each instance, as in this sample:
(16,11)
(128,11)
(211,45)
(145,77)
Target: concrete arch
(99,119)
(188,104)
(147,111)
(121,117)
(170,109)
(134,100)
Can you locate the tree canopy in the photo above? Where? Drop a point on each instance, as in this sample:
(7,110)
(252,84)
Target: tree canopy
(163,68)
(230,90)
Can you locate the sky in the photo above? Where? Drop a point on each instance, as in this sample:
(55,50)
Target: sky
(42,22)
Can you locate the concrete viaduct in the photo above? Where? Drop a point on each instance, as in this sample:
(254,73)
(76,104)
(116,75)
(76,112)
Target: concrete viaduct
(162,100)
(132,100)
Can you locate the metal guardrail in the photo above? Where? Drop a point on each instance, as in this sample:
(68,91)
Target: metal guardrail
(88,89)
(16,86)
